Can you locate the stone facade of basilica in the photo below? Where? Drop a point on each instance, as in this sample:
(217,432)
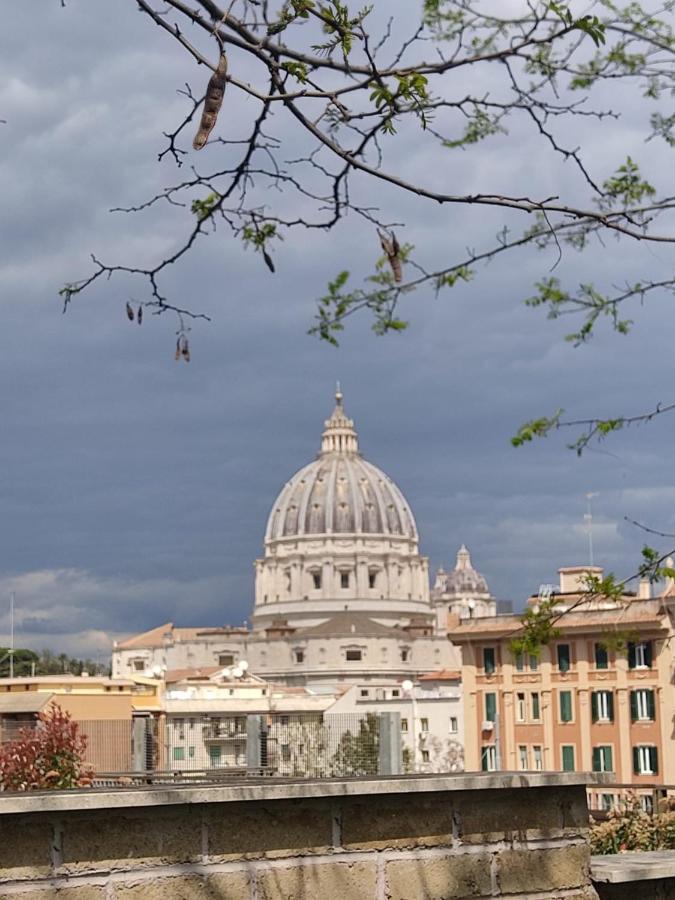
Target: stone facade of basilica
(342,591)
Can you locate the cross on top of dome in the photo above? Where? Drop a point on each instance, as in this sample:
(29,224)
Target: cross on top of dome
(339,435)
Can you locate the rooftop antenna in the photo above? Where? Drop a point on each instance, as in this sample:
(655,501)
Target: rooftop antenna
(11,635)
(588,519)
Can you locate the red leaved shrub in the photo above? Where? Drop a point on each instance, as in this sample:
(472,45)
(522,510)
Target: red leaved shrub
(48,756)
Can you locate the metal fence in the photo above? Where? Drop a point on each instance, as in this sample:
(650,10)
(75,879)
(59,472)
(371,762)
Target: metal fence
(171,748)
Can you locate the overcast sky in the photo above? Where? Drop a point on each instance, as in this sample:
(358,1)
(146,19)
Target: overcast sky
(135,489)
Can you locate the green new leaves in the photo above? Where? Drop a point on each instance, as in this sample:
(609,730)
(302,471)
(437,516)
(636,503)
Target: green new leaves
(409,92)
(590,25)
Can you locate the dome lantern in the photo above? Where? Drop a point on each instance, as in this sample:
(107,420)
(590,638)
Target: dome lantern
(339,435)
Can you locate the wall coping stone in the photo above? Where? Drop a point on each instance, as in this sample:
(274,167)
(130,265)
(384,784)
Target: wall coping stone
(243,789)
(633,866)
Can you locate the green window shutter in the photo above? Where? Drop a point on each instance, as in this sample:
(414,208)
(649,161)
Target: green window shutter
(654,759)
(648,653)
(636,761)
(535,706)
(483,760)
(489,660)
(597,766)
(564,657)
(568,759)
(651,705)
(633,706)
(609,764)
(565,706)
(490,707)
(594,706)
(610,705)
(520,662)
(631,655)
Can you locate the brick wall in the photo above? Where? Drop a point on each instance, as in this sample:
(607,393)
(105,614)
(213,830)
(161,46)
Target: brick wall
(389,839)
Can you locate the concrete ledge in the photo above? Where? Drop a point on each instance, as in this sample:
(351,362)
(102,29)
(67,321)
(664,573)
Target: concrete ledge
(287,789)
(634,866)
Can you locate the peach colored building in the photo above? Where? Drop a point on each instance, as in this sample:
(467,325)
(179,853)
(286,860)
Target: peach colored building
(580,705)
(106,709)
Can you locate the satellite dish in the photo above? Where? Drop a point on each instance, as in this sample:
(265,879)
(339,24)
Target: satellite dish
(227,673)
(157,671)
(243,665)
(407,685)
(471,603)
(237,672)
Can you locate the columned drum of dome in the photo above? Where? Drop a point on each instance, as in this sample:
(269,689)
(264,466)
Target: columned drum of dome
(340,536)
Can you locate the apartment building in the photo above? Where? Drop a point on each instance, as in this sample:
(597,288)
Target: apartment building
(598,698)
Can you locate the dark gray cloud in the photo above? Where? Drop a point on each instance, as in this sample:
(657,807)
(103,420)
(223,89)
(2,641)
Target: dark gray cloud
(135,490)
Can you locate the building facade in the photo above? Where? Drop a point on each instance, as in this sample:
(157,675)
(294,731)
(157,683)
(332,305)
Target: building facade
(599,697)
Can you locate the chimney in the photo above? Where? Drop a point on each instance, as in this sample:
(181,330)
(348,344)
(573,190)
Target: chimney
(644,589)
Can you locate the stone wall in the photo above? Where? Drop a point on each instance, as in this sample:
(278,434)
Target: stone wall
(418,838)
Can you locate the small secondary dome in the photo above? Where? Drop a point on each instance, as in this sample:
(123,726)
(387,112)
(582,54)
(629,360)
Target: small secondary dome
(463,579)
(340,492)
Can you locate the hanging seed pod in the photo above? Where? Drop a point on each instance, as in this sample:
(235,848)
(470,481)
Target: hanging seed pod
(268,261)
(178,350)
(392,250)
(130,312)
(139,315)
(186,350)
(212,103)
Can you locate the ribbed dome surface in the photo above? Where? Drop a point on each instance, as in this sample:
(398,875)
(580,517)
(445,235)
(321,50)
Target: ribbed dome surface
(340,492)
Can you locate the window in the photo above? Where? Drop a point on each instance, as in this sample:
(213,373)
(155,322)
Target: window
(488,758)
(534,662)
(521,708)
(489,660)
(520,662)
(563,657)
(286,752)
(285,720)
(453,724)
(568,758)
(139,665)
(602,759)
(424,726)
(642,706)
(344,579)
(316,580)
(396,693)
(601,657)
(214,756)
(353,655)
(522,758)
(607,802)
(645,761)
(405,653)
(640,655)
(225,659)
(538,759)
(566,707)
(404,726)
(178,753)
(372,578)
(191,752)
(364,692)
(425,756)
(535,707)
(490,707)
(299,656)
(602,706)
